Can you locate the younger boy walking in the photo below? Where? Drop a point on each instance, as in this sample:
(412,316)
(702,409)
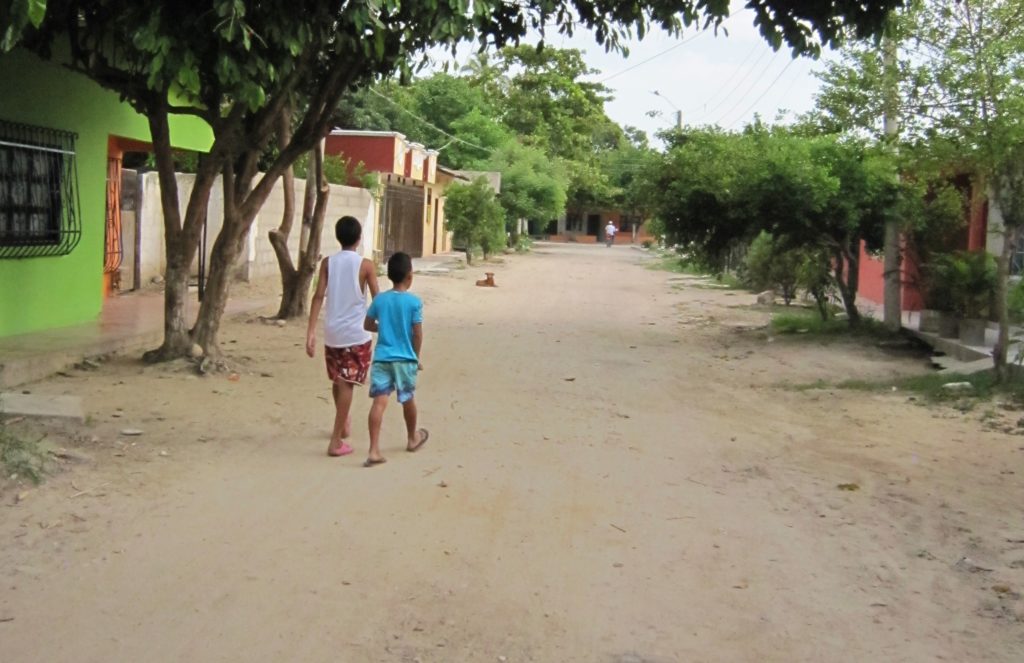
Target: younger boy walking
(343,281)
(397,317)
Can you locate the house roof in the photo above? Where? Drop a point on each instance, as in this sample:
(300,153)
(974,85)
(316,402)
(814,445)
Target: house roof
(360,132)
(493,177)
(452,172)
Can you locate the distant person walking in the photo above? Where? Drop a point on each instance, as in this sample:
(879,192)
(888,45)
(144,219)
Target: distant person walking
(609,234)
(344,279)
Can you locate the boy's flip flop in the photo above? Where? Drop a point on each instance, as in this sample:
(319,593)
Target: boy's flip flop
(344,450)
(370,462)
(424,436)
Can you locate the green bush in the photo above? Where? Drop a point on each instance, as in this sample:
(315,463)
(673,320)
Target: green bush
(961,282)
(768,266)
(1015,302)
(524,244)
(474,215)
(656,227)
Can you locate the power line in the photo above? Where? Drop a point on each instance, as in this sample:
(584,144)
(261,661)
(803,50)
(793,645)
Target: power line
(653,57)
(729,80)
(767,90)
(433,126)
(750,88)
(668,50)
(740,83)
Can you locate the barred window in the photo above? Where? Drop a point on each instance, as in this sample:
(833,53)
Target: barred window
(38,192)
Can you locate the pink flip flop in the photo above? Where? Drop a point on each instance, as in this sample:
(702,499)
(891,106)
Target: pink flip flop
(345,450)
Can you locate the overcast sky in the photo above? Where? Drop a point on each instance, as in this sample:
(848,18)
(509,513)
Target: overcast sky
(713,79)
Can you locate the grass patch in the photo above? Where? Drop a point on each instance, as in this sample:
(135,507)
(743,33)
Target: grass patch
(676,264)
(983,386)
(809,323)
(671,262)
(931,387)
(20,456)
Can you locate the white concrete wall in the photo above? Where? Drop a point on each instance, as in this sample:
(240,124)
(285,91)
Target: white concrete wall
(257,260)
(151,229)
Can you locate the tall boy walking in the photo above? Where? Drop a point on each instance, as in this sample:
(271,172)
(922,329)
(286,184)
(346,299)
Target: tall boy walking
(397,317)
(343,281)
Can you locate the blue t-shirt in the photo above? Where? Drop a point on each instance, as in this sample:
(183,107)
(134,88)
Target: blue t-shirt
(395,312)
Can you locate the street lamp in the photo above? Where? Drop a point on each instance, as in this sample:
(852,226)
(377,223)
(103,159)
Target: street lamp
(679,113)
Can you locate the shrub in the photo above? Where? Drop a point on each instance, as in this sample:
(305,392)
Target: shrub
(767,265)
(473,214)
(1015,302)
(962,282)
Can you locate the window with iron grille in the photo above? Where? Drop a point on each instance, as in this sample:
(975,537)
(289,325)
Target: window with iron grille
(38,192)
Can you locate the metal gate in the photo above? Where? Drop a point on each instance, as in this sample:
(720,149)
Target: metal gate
(402,216)
(114,251)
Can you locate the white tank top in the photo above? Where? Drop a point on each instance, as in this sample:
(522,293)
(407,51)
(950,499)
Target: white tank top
(346,302)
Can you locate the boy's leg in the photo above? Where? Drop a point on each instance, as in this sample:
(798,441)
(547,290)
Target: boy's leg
(415,437)
(406,383)
(409,412)
(335,390)
(342,405)
(376,419)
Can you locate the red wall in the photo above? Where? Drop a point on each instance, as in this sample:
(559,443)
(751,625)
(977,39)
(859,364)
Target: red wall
(872,284)
(975,238)
(872,280)
(376,152)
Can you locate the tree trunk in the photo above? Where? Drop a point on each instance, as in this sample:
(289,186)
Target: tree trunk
(181,239)
(279,237)
(999,353)
(847,284)
(242,203)
(822,302)
(314,210)
(225,252)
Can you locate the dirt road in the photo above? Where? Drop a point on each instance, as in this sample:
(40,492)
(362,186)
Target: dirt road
(616,472)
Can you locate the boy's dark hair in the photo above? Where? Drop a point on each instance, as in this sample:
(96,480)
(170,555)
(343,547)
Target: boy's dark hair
(348,230)
(399,267)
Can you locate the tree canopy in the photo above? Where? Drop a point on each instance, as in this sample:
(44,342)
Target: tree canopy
(241,65)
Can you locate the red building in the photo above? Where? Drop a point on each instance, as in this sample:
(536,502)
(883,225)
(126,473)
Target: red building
(411,210)
(871,287)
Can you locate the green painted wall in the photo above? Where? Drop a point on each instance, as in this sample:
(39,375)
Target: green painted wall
(40,293)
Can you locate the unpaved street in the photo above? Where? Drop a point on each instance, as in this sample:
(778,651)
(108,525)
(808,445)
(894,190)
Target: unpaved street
(617,472)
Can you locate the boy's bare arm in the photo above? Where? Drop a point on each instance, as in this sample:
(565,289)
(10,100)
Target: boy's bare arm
(370,275)
(417,341)
(314,309)
(370,324)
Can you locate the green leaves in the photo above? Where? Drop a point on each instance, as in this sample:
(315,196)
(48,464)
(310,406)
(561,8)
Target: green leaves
(16,16)
(473,214)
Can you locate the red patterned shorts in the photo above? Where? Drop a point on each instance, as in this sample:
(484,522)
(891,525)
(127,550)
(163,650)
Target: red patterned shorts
(349,364)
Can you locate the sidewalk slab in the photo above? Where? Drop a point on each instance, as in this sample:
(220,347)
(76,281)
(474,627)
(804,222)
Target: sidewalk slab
(128,323)
(41,405)
(439,264)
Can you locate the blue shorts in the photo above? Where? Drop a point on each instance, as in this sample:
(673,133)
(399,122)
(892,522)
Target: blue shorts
(389,376)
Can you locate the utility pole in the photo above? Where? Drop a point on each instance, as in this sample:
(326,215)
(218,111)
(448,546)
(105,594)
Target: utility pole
(678,113)
(892,292)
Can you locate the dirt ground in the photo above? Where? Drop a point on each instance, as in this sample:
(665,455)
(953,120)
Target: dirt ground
(619,471)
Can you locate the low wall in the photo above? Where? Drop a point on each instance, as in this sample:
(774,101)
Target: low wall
(257,260)
(260,261)
(621,238)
